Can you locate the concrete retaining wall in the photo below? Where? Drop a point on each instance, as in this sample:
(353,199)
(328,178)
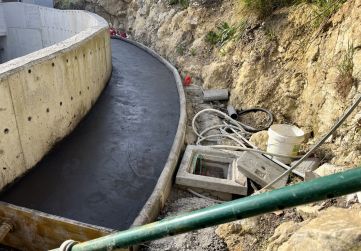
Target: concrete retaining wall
(27,28)
(44,94)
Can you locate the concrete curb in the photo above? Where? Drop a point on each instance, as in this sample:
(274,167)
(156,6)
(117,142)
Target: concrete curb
(163,187)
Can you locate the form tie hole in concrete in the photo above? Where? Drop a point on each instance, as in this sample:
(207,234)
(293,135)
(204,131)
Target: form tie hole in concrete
(61,103)
(71,98)
(83,55)
(67,60)
(29,118)
(88,88)
(80,93)
(76,58)
(52,64)
(6,130)
(29,71)
(47,110)
(4,168)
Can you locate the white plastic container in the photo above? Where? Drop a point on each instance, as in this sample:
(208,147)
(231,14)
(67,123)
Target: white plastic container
(286,140)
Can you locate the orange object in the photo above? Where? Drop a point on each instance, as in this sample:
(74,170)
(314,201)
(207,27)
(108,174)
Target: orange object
(187,80)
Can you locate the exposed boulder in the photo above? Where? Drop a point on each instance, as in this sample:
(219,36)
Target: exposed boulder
(336,229)
(260,139)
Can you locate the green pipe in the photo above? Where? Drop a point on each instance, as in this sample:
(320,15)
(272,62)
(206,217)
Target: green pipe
(290,196)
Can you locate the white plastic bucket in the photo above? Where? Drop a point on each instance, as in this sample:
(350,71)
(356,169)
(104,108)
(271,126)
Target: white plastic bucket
(286,140)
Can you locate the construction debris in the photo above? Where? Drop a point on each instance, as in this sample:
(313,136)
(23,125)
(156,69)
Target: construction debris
(232,112)
(306,166)
(215,95)
(209,169)
(260,169)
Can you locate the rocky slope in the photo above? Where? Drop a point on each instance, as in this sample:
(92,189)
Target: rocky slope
(302,62)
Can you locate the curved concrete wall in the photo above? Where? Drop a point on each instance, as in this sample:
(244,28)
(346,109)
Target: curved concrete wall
(27,28)
(44,94)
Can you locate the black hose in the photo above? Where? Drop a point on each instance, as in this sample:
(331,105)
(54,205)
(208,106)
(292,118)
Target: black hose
(252,129)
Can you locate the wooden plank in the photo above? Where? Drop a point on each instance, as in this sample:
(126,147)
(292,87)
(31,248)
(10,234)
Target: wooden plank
(34,230)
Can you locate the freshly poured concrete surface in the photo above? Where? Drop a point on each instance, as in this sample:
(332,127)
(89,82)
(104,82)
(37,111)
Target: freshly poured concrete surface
(104,172)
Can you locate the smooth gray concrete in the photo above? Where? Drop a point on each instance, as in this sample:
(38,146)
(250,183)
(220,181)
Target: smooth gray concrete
(27,27)
(104,172)
(46,3)
(261,169)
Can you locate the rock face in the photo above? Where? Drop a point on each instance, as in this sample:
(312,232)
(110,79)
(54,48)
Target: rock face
(335,229)
(260,139)
(328,169)
(283,63)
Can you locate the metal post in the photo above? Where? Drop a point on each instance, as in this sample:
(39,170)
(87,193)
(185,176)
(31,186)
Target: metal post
(302,193)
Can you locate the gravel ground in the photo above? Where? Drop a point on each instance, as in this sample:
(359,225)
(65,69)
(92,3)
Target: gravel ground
(179,202)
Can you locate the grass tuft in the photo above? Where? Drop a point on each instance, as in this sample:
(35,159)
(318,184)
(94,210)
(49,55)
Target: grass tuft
(225,32)
(183,3)
(345,79)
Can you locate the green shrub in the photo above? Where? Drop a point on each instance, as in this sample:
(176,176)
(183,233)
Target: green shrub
(271,34)
(183,3)
(180,49)
(226,32)
(265,8)
(325,9)
(212,37)
(345,68)
(345,79)
(223,33)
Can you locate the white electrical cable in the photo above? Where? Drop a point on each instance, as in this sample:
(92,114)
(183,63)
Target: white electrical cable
(224,115)
(224,134)
(245,140)
(225,126)
(218,136)
(253,150)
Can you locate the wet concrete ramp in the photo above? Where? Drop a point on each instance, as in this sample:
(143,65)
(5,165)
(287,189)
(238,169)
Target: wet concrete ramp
(104,172)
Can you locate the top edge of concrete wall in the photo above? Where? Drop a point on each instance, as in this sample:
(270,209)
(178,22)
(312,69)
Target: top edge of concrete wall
(97,24)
